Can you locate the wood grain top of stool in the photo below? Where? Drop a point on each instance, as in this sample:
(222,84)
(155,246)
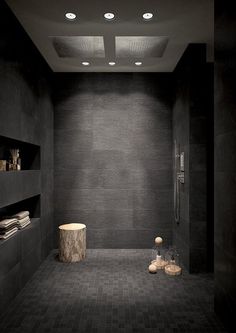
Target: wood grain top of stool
(72,226)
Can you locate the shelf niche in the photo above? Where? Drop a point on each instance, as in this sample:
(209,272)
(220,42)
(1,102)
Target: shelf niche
(29,153)
(31,204)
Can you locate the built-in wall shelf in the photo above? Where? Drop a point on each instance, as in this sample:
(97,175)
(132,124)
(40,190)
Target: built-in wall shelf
(23,233)
(20,253)
(18,185)
(31,204)
(29,153)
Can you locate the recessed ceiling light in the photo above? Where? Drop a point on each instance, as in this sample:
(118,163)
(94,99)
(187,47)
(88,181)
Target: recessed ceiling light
(147,16)
(70,16)
(112,63)
(109,16)
(85,63)
(138,63)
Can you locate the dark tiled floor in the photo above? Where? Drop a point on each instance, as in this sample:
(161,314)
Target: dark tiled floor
(111,291)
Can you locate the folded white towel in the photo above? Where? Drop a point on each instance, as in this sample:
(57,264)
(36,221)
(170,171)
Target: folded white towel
(7,222)
(21,214)
(25,219)
(23,225)
(9,233)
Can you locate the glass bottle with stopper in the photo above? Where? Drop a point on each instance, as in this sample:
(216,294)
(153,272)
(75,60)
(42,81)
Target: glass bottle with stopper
(173,266)
(158,254)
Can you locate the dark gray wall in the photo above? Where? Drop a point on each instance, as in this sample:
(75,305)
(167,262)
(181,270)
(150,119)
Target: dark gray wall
(225,163)
(26,114)
(113,157)
(193,107)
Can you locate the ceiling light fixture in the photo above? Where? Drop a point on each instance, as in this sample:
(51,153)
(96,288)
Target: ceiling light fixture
(138,63)
(109,16)
(147,16)
(112,63)
(70,16)
(85,63)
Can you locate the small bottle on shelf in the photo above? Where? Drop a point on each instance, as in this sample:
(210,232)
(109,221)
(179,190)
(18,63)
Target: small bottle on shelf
(9,164)
(18,161)
(13,159)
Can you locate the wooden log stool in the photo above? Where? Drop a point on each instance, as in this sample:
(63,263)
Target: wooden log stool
(72,242)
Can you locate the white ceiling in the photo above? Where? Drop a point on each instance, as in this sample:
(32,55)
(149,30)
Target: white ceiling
(181,21)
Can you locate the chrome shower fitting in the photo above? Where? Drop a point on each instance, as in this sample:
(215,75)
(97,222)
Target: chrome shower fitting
(176,182)
(178,179)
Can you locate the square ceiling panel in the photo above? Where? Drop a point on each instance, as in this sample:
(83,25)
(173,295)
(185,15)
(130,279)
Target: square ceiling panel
(140,46)
(79,46)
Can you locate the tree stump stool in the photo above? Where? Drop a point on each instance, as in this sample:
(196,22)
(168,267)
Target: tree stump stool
(72,242)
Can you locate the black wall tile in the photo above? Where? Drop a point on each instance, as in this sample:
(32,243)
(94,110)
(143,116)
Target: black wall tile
(10,254)
(152,199)
(130,239)
(30,263)
(225,161)
(30,238)
(198,157)
(113,156)
(98,219)
(26,114)
(151,219)
(225,164)
(28,181)
(9,286)
(191,116)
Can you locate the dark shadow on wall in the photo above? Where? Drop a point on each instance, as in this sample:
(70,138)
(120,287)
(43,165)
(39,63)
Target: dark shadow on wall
(225,162)
(18,53)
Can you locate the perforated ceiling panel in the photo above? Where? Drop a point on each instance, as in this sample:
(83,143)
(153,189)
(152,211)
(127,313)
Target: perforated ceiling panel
(79,46)
(182,21)
(140,46)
